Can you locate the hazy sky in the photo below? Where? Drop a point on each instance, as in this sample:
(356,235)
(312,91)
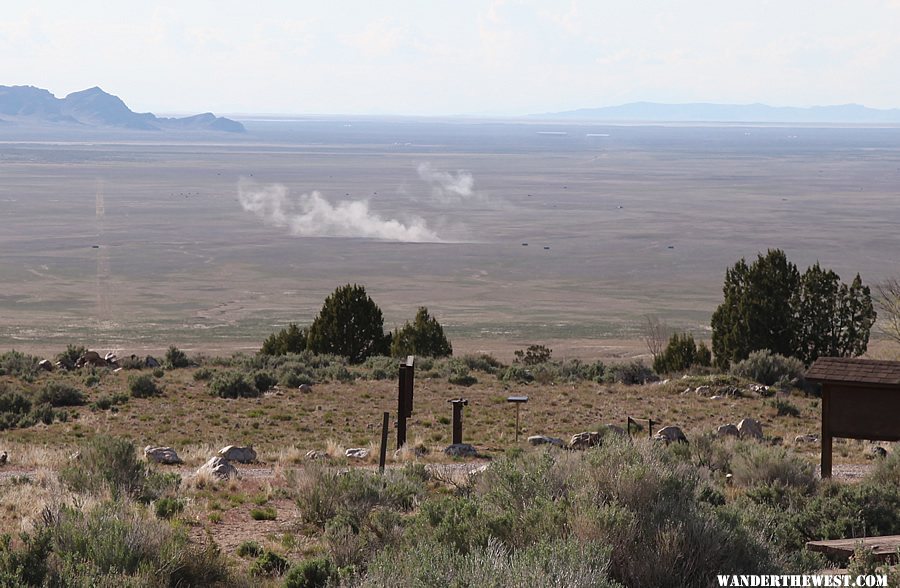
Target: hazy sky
(454,56)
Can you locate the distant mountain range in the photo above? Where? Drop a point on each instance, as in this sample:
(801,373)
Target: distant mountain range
(736,113)
(27,105)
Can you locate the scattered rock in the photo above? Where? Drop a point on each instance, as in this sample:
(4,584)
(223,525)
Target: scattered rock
(163,455)
(479,470)
(45,365)
(357,453)
(703,390)
(716,397)
(75,456)
(304,388)
(750,428)
(544,440)
(238,454)
(461,450)
(586,440)
(314,455)
(670,434)
(806,439)
(151,362)
(219,467)
(729,430)
(90,358)
(877,451)
(761,390)
(3,458)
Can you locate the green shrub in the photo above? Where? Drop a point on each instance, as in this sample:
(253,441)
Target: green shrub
(291,339)
(310,573)
(70,356)
(176,358)
(249,549)
(768,368)
(533,355)
(264,381)
(294,374)
(756,464)
(60,394)
(785,408)
(132,363)
(459,374)
(167,508)
(518,374)
(232,384)
(112,544)
(263,514)
(482,362)
(424,337)
(110,464)
(269,564)
(681,354)
(14,363)
(143,386)
(632,372)
(202,374)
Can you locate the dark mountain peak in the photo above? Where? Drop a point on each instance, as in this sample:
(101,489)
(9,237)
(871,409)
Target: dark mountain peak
(95,107)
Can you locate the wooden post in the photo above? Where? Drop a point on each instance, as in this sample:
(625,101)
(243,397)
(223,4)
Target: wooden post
(826,432)
(650,428)
(384,434)
(401,407)
(517,422)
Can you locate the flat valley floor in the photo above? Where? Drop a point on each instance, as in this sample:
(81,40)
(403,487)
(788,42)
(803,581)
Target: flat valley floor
(134,242)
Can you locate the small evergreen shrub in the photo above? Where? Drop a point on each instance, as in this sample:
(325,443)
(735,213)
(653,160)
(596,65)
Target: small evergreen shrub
(143,386)
(310,573)
(533,355)
(167,508)
(263,514)
(269,564)
(60,394)
(767,368)
(232,384)
(632,372)
(176,358)
(249,549)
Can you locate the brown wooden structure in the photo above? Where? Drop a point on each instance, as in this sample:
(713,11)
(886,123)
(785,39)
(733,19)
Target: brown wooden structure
(883,548)
(405,384)
(860,400)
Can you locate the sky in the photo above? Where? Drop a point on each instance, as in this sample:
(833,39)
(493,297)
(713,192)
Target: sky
(454,57)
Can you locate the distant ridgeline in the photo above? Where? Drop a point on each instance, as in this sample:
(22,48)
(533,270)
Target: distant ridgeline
(736,113)
(27,105)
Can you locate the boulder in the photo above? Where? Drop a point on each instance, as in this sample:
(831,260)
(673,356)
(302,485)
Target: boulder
(314,455)
(163,455)
(586,440)
(670,434)
(45,365)
(750,428)
(544,440)
(151,362)
(305,388)
(703,390)
(357,453)
(238,454)
(90,358)
(219,467)
(877,451)
(418,450)
(729,430)
(806,438)
(460,450)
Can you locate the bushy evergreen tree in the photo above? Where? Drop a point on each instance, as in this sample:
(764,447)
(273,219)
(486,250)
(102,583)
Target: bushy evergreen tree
(424,336)
(681,354)
(350,324)
(291,339)
(770,305)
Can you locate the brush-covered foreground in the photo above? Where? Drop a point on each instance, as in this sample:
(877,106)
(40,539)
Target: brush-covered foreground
(631,512)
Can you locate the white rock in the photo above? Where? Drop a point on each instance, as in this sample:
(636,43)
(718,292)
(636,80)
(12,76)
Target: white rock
(586,440)
(313,454)
(750,428)
(238,454)
(703,390)
(164,455)
(544,440)
(357,453)
(670,434)
(219,467)
(806,438)
(305,388)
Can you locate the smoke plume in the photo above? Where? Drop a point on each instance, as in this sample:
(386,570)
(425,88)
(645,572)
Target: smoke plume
(311,215)
(448,187)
